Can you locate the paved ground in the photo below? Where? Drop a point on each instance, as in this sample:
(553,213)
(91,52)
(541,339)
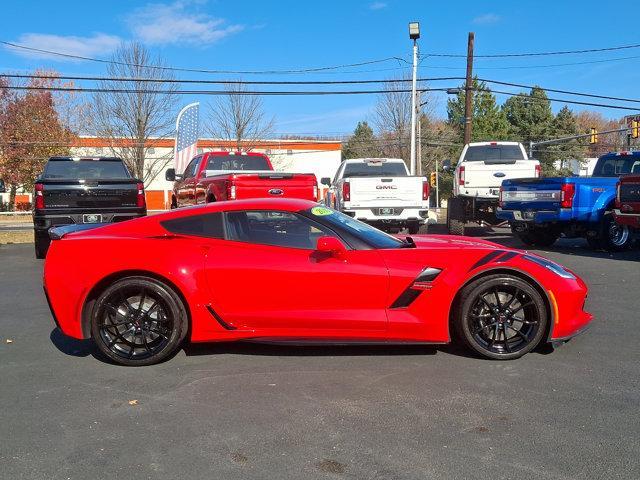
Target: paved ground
(250,411)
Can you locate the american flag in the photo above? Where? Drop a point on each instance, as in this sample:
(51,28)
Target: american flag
(186,136)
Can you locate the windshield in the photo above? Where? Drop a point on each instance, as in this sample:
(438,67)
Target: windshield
(614,166)
(237,162)
(375,169)
(344,223)
(480,153)
(88,169)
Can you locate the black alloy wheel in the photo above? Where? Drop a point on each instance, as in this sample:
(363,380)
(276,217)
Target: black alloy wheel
(138,321)
(501,316)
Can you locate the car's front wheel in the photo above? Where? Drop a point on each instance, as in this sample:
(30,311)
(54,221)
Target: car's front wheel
(138,321)
(501,316)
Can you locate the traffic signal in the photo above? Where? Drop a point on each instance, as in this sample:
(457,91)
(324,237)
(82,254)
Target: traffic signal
(594,136)
(433,179)
(634,129)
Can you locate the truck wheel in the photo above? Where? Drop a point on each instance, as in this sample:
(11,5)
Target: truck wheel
(455,216)
(42,242)
(614,237)
(413,228)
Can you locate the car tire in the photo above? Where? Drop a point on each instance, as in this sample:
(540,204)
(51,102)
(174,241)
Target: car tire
(41,244)
(455,225)
(138,321)
(500,316)
(612,236)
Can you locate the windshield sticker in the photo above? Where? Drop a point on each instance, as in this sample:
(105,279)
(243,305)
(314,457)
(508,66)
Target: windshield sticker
(321,211)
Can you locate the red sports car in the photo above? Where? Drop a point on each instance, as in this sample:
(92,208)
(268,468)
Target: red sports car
(292,271)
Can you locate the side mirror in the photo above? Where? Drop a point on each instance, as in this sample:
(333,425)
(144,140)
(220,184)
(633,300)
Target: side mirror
(3,189)
(446,165)
(325,181)
(332,246)
(170,175)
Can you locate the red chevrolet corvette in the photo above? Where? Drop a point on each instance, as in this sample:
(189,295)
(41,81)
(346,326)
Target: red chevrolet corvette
(290,270)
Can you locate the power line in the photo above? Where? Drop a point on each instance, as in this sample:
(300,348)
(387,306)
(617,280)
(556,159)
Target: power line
(573,102)
(554,90)
(537,54)
(219,82)
(199,70)
(553,65)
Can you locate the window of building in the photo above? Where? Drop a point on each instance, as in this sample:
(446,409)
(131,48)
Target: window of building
(289,152)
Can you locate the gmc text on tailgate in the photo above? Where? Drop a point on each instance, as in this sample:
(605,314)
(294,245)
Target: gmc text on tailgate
(219,176)
(540,210)
(74,190)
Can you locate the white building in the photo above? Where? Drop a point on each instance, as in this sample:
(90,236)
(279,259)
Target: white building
(320,157)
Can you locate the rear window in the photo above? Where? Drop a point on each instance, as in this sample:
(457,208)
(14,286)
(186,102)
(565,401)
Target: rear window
(237,162)
(479,153)
(86,169)
(208,225)
(375,169)
(614,166)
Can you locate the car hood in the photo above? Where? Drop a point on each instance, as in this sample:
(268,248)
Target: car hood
(451,241)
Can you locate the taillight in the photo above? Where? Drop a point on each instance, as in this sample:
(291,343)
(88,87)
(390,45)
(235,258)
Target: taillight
(315,192)
(231,190)
(461,176)
(538,173)
(567,192)
(618,202)
(39,203)
(346,191)
(141,202)
(500,201)
(425,190)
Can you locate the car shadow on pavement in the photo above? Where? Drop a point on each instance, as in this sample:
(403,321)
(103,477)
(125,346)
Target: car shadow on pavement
(292,350)
(71,346)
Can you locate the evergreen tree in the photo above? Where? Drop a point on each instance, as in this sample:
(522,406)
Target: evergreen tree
(489,121)
(362,144)
(565,124)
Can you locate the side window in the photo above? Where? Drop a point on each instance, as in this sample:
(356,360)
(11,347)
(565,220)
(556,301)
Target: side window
(208,225)
(280,229)
(192,168)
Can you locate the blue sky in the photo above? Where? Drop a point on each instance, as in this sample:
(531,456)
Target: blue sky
(261,35)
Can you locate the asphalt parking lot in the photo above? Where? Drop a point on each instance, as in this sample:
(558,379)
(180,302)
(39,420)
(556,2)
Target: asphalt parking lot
(256,411)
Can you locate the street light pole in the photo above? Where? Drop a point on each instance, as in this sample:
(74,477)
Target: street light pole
(414,34)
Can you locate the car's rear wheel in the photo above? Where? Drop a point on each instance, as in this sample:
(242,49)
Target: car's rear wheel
(413,228)
(138,321)
(501,316)
(538,237)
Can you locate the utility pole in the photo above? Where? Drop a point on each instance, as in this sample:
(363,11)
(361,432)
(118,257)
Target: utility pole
(468,91)
(419,152)
(414,34)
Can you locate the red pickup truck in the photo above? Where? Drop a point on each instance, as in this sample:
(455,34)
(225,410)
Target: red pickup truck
(627,208)
(219,176)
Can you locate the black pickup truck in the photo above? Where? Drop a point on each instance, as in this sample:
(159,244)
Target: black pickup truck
(74,190)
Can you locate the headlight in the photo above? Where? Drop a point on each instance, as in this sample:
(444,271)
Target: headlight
(554,267)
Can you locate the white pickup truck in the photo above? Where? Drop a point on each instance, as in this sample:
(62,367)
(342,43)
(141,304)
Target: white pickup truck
(379,191)
(478,176)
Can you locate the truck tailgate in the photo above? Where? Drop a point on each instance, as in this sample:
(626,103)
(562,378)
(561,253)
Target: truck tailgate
(480,174)
(274,184)
(89,194)
(390,190)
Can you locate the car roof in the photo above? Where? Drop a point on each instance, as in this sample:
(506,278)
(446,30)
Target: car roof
(484,144)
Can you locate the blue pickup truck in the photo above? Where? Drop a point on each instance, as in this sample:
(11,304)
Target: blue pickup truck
(539,210)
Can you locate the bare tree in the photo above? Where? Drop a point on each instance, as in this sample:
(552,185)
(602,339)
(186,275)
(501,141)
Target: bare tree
(392,118)
(240,118)
(145,110)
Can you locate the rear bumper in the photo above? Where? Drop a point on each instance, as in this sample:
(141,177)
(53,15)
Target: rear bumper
(44,221)
(535,216)
(629,219)
(401,216)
